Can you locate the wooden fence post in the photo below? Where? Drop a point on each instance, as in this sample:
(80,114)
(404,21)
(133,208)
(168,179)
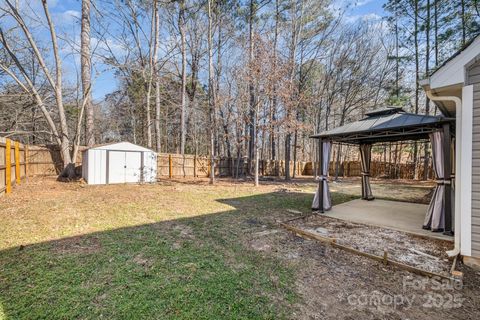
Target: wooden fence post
(8,166)
(195,166)
(25,155)
(170,169)
(183,165)
(17,162)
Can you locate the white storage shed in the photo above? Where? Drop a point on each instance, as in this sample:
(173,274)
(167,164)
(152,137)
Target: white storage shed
(121,162)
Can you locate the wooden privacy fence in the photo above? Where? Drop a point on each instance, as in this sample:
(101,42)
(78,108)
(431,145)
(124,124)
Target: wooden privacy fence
(378,169)
(176,165)
(47,160)
(13,167)
(26,161)
(17,161)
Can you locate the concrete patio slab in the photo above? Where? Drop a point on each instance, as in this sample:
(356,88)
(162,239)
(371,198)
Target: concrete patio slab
(402,216)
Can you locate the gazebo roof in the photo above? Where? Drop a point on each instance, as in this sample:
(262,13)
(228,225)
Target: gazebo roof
(388,124)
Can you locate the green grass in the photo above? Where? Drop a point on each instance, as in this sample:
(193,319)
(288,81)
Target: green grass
(157,255)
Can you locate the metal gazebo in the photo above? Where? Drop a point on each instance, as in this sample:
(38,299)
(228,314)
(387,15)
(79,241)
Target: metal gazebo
(393,125)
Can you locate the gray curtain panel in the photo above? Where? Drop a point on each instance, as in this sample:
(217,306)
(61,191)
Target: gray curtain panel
(365,157)
(435,217)
(327,201)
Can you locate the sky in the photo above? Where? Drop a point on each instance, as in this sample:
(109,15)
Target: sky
(66,14)
(363,9)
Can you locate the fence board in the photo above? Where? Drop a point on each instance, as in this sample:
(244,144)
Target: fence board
(2,165)
(12,164)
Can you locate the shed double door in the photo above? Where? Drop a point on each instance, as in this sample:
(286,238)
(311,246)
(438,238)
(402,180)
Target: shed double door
(124,166)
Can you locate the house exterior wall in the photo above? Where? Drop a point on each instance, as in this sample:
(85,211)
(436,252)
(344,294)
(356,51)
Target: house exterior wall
(473,78)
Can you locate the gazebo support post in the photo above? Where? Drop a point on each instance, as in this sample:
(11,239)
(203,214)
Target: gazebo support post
(447,178)
(320,182)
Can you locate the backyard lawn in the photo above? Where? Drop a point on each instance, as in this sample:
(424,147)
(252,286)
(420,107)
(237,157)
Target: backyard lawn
(174,251)
(177,251)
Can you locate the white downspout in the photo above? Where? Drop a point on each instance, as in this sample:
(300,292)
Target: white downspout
(458,152)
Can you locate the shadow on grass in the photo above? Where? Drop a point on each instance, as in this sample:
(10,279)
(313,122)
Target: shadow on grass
(190,268)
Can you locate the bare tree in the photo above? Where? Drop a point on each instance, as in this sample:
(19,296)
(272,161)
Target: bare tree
(55,82)
(211,94)
(155,70)
(86,67)
(252,117)
(183,50)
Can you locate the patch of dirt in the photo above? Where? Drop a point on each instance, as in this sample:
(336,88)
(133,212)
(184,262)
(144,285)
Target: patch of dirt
(426,254)
(76,245)
(260,245)
(185,231)
(98,300)
(142,261)
(335,284)
(265,232)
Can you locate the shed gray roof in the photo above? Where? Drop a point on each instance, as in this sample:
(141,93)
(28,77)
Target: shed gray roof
(388,124)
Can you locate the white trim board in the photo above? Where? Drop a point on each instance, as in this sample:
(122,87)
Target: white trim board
(463,194)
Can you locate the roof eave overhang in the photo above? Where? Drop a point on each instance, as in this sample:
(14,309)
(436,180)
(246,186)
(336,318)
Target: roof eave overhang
(452,73)
(447,107)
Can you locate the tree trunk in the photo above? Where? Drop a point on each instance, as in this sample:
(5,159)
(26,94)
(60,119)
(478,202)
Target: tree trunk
(257,158)
(228,146)
(251,88)
(147,111)
(67,172)
(397,74)
(293,48)
(181,24)
(427,100)
(86,66)
(417,78)
(288,142)
(464,31)
(395,174)
(275,98)
(152,61)
(211,95)
(435,14)
(337,162)
(158,133)
(339,149)
(295,143)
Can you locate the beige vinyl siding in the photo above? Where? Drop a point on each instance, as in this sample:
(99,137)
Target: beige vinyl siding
(473,78)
